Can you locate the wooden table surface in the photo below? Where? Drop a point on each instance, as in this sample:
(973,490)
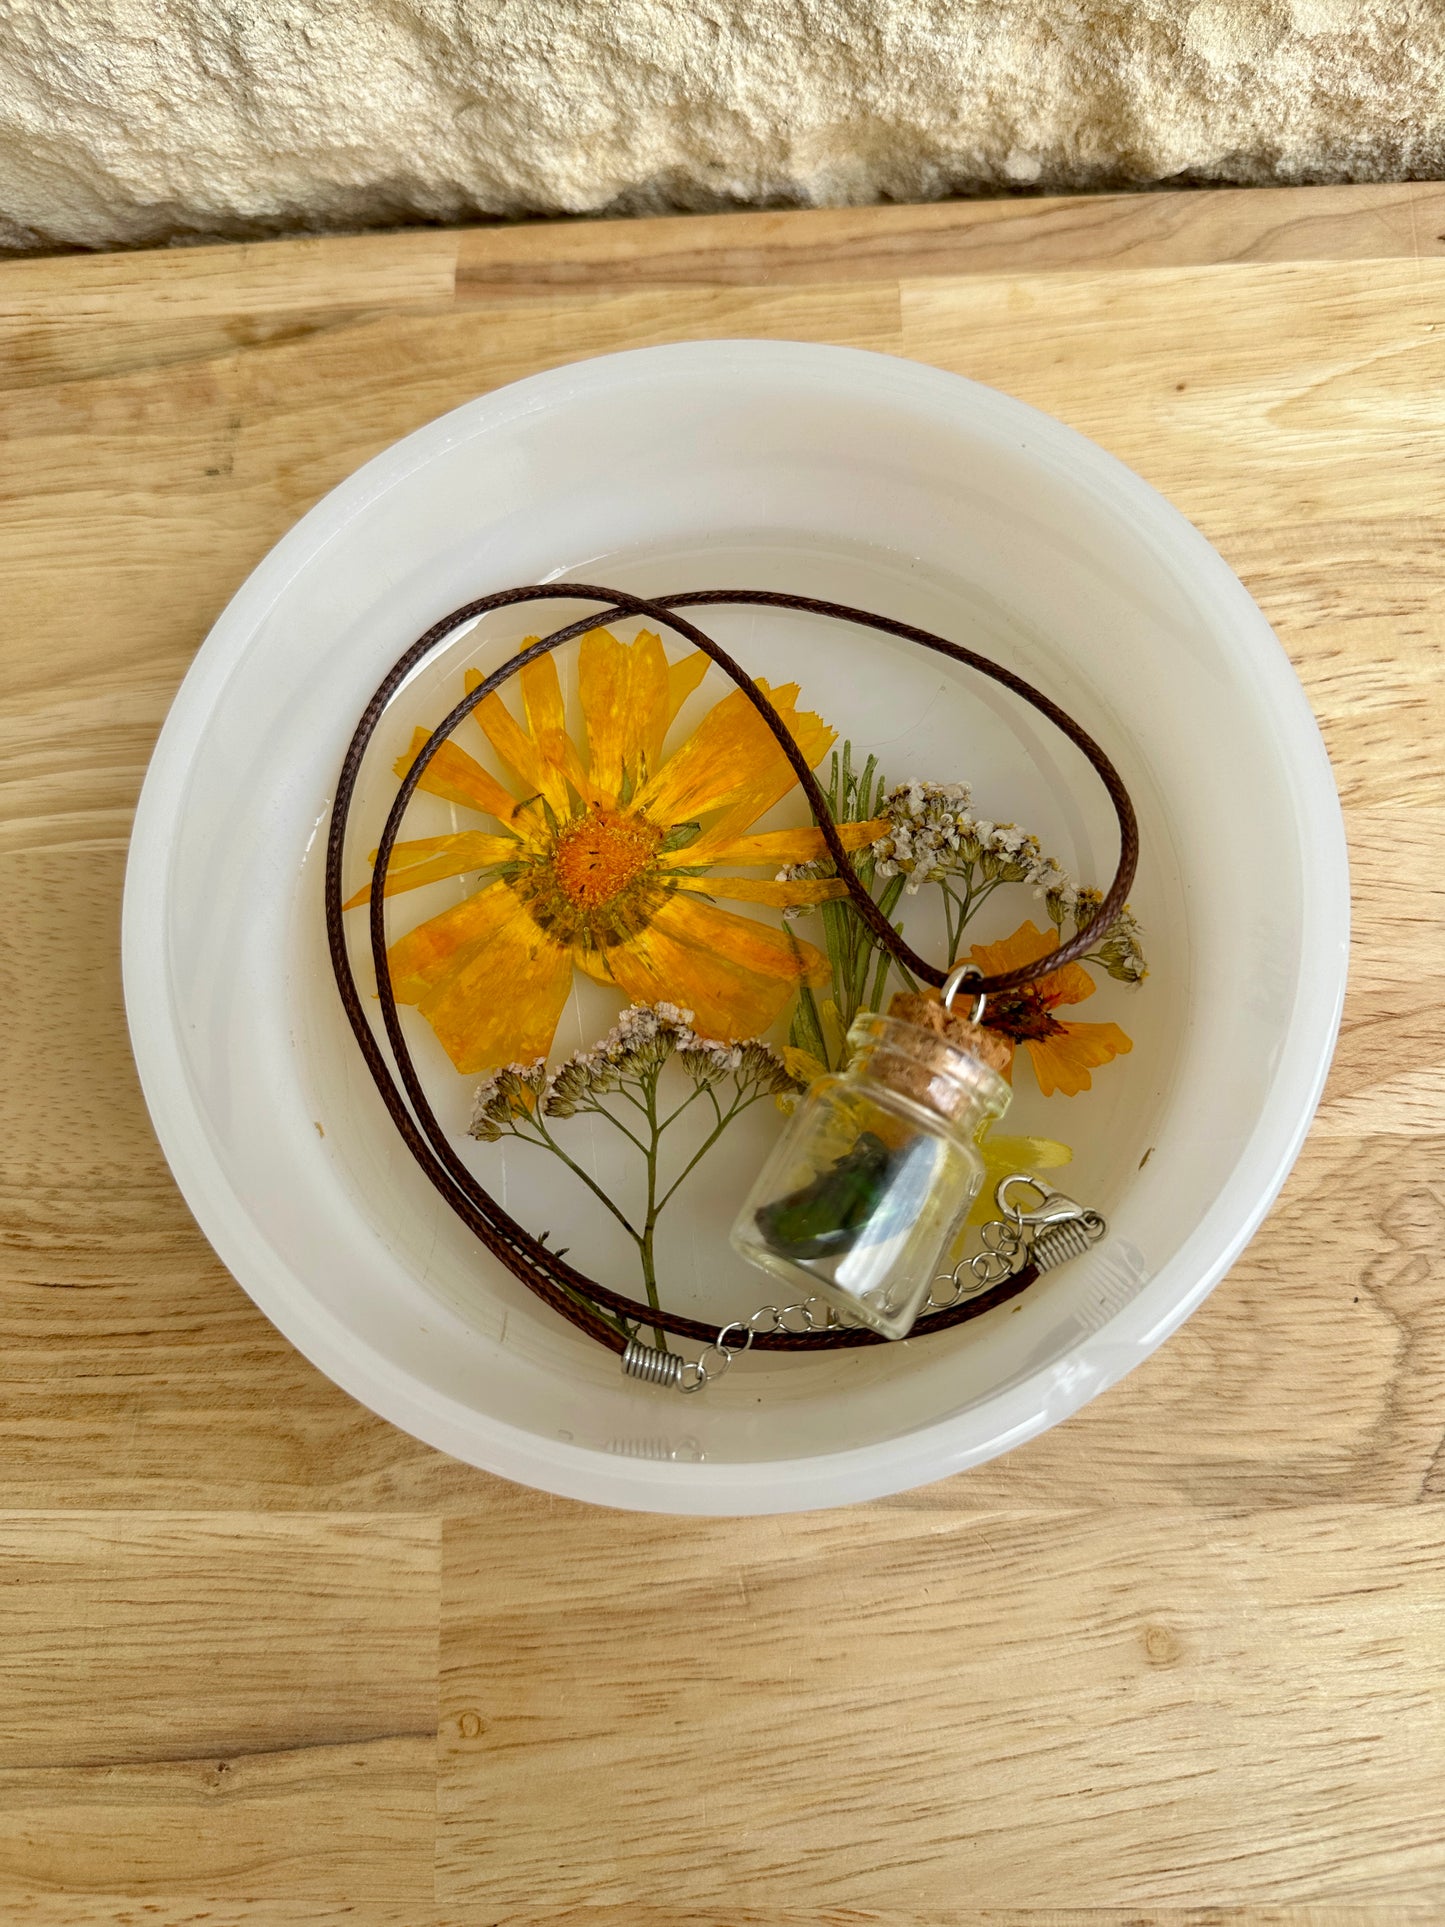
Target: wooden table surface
(265,1659)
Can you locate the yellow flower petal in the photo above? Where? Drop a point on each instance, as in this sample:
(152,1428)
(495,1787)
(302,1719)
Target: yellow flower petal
(1002,1157)
(776,778)
(538,772)
(1063,1062)
(774,847)
(1069,985)
(459,778)
(1026,945)
(426,957)
(487,979)
(430,859)
(648,700)
(603,678)
(542,695)
(502,1004)
(802,1064)
(732,762)
(782,896)
(593,964)
(547,725)
(627,705)
(682,678)
(727,999)
(742,943)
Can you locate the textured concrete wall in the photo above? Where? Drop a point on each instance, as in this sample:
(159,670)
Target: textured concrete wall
(123,122)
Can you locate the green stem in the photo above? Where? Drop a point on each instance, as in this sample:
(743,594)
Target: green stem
(601,1110)
(534,1130)
(649,1226)
(887,903)
(581,1298)
(724,1119)
(596,1189)
(673,1116)
(974,900)
(836,918)
(950,938)
(864,789)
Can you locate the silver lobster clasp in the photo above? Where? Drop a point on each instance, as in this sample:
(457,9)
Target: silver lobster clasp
(1053,1207)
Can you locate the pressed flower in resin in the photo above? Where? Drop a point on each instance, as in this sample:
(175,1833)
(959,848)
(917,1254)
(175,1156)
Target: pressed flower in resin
(1063,1053)
(606,857)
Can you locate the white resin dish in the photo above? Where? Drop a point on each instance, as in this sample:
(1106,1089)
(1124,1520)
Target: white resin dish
(832,473)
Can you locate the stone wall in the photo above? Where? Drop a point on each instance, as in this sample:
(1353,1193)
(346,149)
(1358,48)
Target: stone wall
(124,122)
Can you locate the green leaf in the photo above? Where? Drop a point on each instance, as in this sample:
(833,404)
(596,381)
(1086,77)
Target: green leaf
(680,835)
(864,791)
(806,1030)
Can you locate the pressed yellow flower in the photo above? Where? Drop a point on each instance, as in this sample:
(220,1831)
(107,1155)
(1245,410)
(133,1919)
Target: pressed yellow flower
(1002,1158)
(1062,1054)
(803,1065)
(605,861)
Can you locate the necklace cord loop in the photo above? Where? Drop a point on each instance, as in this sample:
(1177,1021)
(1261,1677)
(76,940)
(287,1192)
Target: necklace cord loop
(568,1291)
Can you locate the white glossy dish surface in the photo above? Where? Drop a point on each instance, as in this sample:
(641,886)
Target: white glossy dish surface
(775,465)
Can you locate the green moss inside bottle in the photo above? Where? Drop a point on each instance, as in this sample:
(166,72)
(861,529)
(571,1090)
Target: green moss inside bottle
(824,1218)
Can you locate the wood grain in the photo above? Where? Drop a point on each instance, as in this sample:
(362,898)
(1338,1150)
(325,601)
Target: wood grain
(808,1745)
(1177,1661)
(207,1704)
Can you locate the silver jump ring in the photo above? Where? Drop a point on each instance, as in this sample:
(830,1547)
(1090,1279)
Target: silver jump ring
(703,1372)
(1001,1240)
(962,974)
(954,1292)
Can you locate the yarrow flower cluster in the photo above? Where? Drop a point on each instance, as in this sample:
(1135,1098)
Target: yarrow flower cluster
(933,833)
(638,1044)
(1121,951)
(644,1038)
(933,836)
(509,1093)
(524,1100)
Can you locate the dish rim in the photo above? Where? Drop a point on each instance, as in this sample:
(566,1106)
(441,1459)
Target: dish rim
(993,1425)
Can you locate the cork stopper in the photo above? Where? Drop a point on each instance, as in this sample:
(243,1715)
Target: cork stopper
(933,1056)
(928,1012)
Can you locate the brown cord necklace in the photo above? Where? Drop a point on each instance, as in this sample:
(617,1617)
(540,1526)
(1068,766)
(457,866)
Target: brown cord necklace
(567,1290)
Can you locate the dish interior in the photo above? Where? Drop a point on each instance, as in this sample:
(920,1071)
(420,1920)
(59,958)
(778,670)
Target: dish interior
(951,518)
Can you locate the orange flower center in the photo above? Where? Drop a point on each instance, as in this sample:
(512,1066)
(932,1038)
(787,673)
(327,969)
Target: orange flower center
(1024,1014)
(598,855)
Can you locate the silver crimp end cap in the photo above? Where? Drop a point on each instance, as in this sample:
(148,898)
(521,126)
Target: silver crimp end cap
(1070,1238)
(651,1364)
